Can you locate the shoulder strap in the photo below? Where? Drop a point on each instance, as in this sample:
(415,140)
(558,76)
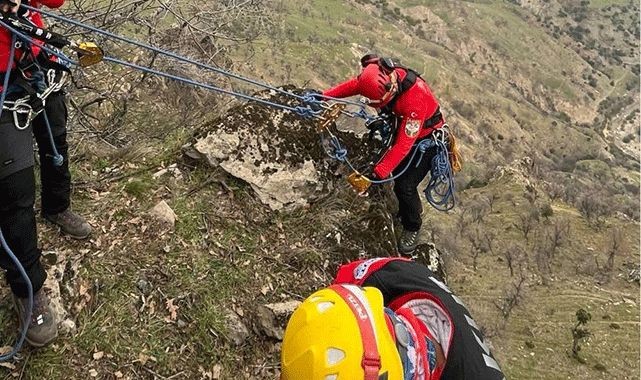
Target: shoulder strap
(410,79)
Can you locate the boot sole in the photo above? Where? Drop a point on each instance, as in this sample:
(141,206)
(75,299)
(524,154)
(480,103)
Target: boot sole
(40,344)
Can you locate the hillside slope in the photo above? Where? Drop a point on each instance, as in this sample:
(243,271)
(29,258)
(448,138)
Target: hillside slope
(545,98)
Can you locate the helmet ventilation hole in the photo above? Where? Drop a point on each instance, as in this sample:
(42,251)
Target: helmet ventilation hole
(334,356)
(324,306)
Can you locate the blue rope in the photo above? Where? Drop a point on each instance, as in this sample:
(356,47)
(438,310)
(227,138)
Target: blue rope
(300,110)
(25,325)
(158,50)
(57,158)
(307,98)
(306,112)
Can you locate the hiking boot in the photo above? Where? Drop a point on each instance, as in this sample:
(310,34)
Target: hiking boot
(70,223)
(43,327)
(408,242)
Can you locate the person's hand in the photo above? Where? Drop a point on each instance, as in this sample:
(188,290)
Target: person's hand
(10,6)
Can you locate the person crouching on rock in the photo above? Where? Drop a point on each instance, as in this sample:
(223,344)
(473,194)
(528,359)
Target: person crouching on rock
(404,98)
(385,318)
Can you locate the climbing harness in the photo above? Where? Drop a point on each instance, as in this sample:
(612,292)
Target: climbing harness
(29,77)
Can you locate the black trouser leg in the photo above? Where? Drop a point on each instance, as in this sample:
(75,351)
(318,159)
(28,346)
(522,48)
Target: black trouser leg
(405,188)
(55,180)
(18,225)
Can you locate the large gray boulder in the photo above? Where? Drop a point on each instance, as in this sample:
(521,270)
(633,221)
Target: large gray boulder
(275,151)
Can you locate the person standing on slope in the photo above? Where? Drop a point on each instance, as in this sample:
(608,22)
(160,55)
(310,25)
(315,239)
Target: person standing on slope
(385,319)
(403,98)
(55,179)
(17,189)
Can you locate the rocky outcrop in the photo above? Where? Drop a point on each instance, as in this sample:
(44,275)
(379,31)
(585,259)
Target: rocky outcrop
(277,152)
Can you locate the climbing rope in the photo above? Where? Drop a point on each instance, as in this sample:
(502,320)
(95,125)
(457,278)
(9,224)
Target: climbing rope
(25,324)
(27,320)
(316,105)
(309,98)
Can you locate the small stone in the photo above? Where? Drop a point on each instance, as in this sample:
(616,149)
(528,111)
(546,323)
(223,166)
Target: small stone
(98,355)
(283,308)
(268,324)
(159,173)
(164,213)
(67,327)
(235,329)
(118,375)
(93,373)
(615,326)
(144,286)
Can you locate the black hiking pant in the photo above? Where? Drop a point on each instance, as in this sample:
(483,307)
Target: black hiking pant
(55,180)
(18,225)
(406,187)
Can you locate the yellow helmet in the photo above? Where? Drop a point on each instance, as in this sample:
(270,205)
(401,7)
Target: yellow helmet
(340,333)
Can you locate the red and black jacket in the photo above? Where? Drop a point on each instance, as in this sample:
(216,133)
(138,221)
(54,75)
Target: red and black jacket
(34,17)
(413,107)
(402,282)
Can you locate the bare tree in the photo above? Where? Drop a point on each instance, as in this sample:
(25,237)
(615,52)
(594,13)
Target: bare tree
(542,260)
(554,190)
(480,242)
(461,221)
(513,255)
(479,209)
(105,97)
(614,247)
(511,298)
(557,235)
(526,223)
(593,207)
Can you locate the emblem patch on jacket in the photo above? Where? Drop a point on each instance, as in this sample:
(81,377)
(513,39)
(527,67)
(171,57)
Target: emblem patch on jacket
(412,127)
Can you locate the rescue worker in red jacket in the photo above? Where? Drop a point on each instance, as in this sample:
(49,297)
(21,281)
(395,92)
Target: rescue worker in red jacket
(401,95)
(385,318)
(55,179)
(17,186)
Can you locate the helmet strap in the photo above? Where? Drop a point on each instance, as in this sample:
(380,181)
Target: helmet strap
(371,361)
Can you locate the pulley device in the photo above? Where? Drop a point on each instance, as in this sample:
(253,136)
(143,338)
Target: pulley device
(88,52)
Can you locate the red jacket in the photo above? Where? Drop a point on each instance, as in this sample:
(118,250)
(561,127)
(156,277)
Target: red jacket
(431,313)
(5,35)
(412,107)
